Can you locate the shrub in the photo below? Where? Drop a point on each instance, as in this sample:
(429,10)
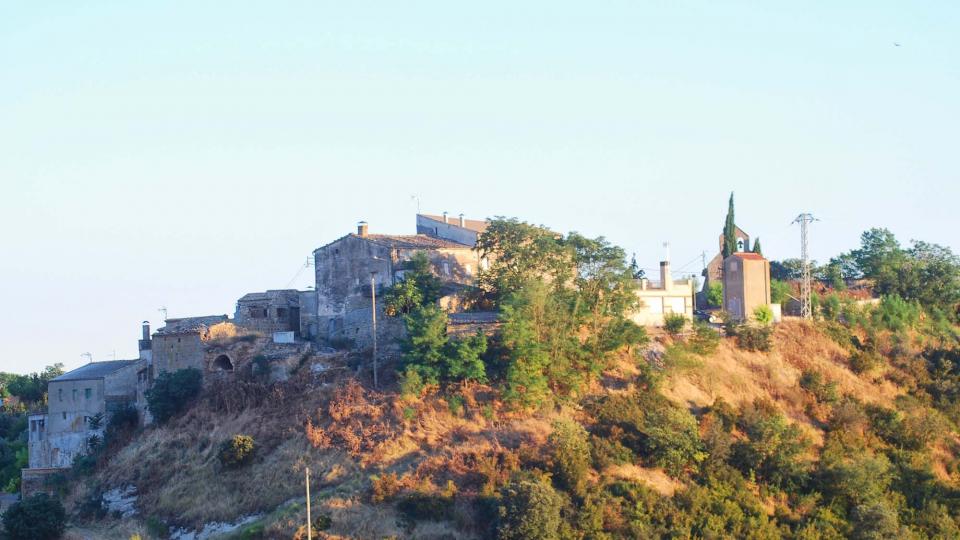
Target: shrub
(779,291)
(812,381)
(172,392)
(455,404)
(529,510)
(236,451)
(425,507)
(123,419)
(411,383)
(674,323)
(763,315)
(609,451)
(704,340)
(570,451)
(38,517)
(896,314)
(774,450)
(831,307)
(385,487)
(755,339)
(715,295)
(864,361)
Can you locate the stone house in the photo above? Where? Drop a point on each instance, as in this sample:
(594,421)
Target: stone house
(348,268)
(746,284)
(667,297)
(278,311)
(60,435)
(180,344)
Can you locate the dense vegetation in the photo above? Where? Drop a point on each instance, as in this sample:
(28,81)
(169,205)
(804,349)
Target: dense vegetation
(20,394)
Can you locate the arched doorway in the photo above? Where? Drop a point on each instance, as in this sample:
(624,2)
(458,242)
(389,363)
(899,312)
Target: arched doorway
(223,363)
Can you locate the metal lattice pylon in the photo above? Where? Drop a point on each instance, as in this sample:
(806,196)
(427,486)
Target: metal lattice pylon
(806,310)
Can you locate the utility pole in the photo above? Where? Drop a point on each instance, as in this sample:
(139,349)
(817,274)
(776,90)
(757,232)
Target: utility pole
(309,524)
(806,310)
(373,315)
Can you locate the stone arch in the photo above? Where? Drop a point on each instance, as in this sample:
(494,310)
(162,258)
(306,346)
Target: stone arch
(222,363)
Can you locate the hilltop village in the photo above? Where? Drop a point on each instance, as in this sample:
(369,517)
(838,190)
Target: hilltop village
(269,328)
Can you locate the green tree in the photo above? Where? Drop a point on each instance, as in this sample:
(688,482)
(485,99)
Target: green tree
(418,287)
(38,517)
(519,253)
(756,247)
(236,451)
(425,343)
(529,510)
(570,452)
(729,231)
(173,392)
(779,291)
(465,359)
(715,294)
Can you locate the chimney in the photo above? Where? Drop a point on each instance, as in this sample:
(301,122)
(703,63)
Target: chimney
(362,229)
(463,222)
(666,280)
(445,218)
(144,343)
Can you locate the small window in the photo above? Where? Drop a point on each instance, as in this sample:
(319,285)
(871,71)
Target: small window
(87,393)
(33,426)
(74,394)
(60,393)
(446,269)
(281,313)
(64,415)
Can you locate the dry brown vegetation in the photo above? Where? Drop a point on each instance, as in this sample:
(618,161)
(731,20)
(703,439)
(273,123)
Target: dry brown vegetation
(366,448)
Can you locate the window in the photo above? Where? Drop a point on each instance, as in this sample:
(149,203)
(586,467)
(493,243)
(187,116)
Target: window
(60,393)
(446,269)
(74,394)
(257,312)
(281,313)
(33,426)
(64,415)
(87,393)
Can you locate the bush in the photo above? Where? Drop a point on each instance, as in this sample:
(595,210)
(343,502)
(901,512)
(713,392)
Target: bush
(715,295)
(896,314)
(674,323)
(172,392)
(705,339)
(865,361)
(812,381)
(385,487)
(123,419)
(529,510)
(236,452)
(755,339)
(763,315)
(831,308)
(426,507)
(38,517)
(779,291)
(570,451)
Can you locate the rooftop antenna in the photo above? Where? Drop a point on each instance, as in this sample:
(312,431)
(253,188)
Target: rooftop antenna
(163,312)
(88,356)
(416,198)
(806,310)
(666,246)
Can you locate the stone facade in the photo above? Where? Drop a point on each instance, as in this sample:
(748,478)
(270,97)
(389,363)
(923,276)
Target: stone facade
(668,297)
(179,344)
(746,284)
(286,310)
(73,399)
(346,267)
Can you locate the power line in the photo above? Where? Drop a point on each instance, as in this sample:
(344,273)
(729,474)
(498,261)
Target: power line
(804,220)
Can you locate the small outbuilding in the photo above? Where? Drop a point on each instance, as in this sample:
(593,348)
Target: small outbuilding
(746,284)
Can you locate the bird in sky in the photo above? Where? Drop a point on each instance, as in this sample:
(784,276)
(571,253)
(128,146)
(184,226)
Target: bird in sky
(895,44)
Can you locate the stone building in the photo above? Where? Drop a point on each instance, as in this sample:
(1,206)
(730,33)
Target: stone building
(460,230)
(746,284)
(667,297)
(73,398)
(346,267)
(278,311)
(180,344)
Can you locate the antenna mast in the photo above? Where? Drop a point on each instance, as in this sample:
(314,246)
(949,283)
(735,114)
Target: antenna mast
(804,220)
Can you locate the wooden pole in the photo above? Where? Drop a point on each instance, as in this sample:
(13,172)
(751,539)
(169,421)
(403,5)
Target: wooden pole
(309,524)
(373,310)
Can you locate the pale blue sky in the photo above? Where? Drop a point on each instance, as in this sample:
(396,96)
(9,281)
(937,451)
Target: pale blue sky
(184,153)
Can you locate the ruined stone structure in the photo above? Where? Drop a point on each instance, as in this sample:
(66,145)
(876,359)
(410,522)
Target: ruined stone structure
(346,267)
(272,311)
(668,297)
(460,230)
(179,344)
(746,284)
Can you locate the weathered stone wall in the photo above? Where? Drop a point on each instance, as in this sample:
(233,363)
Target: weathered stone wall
(33,481)
(270,311)
(172,352)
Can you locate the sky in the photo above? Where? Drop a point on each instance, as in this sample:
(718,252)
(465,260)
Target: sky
(180,154)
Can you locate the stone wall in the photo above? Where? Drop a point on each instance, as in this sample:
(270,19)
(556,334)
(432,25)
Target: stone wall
(173,352)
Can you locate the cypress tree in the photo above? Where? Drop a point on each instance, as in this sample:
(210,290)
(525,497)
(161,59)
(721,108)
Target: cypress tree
(729,231)
(756,247)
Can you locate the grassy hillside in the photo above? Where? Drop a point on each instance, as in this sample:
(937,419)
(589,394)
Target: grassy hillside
(433,466)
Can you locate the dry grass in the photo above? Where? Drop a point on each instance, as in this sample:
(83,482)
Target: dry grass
(740,377)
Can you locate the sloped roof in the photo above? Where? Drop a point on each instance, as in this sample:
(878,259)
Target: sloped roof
(94,370)
(403,241)
(476,225)
(269,295)
(474,317)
